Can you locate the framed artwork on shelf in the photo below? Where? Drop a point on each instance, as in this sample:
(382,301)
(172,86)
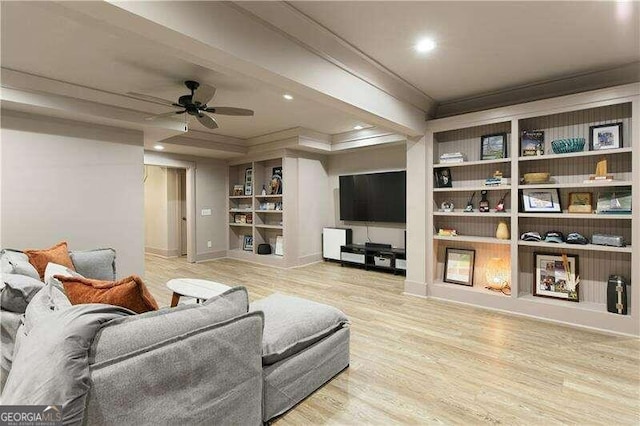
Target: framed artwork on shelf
(279,246)
(458,266)
(580,202)
(556,276)
(238,190)
(614,202)
(493,147)
(443,178)
(532,143)
(605,136)
(247,243)
(541,200)
(248,181)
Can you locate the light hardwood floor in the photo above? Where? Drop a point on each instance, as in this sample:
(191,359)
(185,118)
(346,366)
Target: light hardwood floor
(417,361)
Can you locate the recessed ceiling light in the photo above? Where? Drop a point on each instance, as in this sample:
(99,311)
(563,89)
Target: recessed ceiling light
(425,45)
(358,127)
(158,147)
(287,97)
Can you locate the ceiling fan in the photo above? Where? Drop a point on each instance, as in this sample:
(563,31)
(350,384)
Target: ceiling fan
(195,104)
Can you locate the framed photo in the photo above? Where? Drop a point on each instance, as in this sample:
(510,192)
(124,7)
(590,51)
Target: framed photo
(614,202)
(247,243)
(493,147)
(580,202)
(238,190)
(443,178)
(532,143)
(240,218)
(556,276)
(605,136)
(459,265)
(248,181)
(541,201)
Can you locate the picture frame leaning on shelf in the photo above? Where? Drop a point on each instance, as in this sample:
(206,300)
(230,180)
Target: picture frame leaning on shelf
(443,178)
(493,147)
(459,266)
(541,200)
(556,276)
(605,136)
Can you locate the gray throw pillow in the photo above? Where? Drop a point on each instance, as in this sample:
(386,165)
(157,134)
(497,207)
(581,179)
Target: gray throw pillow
(99,264)
(18,291)
(292,324)
(16,262)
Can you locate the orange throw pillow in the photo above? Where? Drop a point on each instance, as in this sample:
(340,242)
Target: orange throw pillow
(130,292)
(56,254)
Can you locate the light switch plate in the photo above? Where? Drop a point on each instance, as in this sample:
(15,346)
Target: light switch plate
(206,212)
(209,244)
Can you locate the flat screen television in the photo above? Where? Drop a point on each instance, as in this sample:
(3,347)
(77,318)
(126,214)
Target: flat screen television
(374,197)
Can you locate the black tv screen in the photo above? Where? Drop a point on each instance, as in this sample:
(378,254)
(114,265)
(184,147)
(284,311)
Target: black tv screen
(375,197)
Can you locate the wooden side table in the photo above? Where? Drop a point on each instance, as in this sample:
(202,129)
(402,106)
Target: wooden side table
(191,287)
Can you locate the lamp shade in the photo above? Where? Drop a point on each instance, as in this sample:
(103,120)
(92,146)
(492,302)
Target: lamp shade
(497,273)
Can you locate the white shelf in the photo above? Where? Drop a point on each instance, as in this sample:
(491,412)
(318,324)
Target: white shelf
(576,185)
(268,211)
(269,226)
(577,154)
(269,196)
(506,215)
(246,225)
(577,216)
(472,239)
(239,197)
(585,247)
(240,210)
(472,163)
(474,188)
(474,289)
(585,306)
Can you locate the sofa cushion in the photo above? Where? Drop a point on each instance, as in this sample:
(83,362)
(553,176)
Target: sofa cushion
(57,254)
(99,264)
(16,262)
(129,292)
(126,335)
(18,291)
(48,300)
(291,324)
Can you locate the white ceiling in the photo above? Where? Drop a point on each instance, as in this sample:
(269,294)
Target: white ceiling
(485,46)
(65,47)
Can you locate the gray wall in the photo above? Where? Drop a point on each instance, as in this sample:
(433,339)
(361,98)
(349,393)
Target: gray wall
(367,161)
(67,180)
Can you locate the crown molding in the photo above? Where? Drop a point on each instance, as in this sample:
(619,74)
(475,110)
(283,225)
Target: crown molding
(302,29)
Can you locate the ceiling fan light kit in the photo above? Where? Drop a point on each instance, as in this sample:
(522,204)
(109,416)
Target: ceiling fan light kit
(196,102)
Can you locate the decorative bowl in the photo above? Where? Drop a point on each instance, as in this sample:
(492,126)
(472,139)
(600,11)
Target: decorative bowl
(532,178)
(565,146)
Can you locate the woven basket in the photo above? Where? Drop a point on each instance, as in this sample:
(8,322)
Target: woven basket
(565,146)
(532,178)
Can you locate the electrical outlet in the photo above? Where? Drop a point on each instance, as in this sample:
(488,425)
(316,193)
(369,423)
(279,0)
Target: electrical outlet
(209,244)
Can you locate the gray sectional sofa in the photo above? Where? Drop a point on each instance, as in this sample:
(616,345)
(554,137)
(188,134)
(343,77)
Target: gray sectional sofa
(222,362)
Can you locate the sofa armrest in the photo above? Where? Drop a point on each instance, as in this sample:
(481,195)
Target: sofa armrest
(209,375)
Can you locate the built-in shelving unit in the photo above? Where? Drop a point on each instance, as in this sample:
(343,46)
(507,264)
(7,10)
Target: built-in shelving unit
(570,116)
(266,212)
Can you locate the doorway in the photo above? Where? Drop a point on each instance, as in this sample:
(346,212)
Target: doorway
(165,210)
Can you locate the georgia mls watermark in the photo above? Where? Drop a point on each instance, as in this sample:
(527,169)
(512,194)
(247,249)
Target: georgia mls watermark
(30,415)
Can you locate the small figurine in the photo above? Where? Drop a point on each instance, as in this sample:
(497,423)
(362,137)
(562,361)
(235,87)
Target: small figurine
(500,206)
(483,207)
(264,190)
(447,206)
(469,207)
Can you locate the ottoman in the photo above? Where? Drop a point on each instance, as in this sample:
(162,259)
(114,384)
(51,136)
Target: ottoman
(304,345)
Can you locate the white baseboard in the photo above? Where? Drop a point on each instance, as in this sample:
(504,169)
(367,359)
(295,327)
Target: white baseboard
(210,255)
(415,288)
(311,258)
(162,252)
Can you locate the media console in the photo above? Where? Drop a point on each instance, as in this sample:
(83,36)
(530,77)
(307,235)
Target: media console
(374,256)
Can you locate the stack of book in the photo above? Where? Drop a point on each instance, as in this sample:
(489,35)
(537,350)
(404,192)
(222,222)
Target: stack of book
(452,157)
(496,181)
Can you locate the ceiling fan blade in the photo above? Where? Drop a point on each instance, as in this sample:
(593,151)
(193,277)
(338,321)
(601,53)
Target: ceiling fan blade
(207,121)
(230,111)
(166,114)
(148,98)
(203,94)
